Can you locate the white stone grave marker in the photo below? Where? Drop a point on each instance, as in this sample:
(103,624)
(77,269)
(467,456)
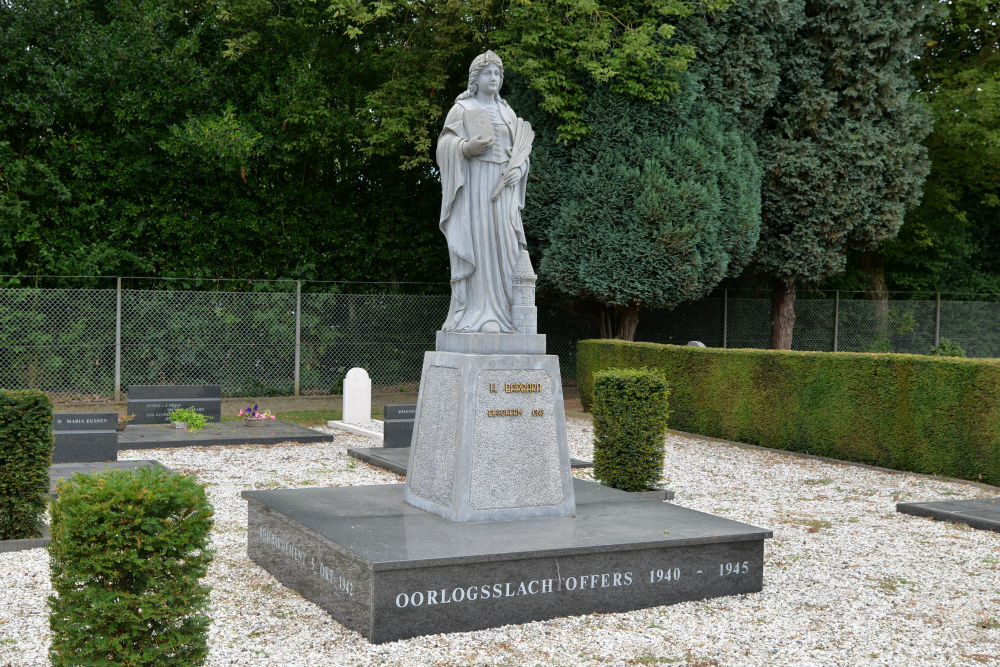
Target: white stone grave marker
(358,397)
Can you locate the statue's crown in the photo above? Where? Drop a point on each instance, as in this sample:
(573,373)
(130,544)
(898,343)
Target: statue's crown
(484,59)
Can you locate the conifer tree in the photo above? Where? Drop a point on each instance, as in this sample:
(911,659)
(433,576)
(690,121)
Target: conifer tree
(655,207)
(840,144)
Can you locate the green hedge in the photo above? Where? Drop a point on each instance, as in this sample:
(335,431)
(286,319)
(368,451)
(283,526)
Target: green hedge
(25,456)
(937,415)
(630,422)
(128,550)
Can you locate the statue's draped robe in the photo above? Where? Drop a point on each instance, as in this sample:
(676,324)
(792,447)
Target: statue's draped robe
(484,237)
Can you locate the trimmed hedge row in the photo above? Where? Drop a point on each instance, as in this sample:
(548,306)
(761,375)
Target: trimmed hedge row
(630,422)
(26,443)
(927,414)
(128,550)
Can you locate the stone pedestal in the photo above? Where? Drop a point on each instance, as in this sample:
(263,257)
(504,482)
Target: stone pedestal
(489,439)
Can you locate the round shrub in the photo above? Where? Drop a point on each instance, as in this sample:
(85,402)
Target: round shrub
(128,550)
(630,423)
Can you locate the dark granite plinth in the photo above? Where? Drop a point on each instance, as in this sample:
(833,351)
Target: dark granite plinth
(226,433)
(982,513)
(60,471)
(395,459)
(390,571)
(398,425)
(152,404)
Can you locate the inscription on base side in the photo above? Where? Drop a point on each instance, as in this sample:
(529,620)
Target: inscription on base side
(515,462)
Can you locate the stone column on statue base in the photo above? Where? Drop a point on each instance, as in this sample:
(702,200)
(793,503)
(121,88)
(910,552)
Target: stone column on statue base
(489,439)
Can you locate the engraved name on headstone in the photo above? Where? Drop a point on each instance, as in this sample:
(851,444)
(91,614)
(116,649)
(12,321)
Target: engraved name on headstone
(85,437)
(152,404)
(398,431)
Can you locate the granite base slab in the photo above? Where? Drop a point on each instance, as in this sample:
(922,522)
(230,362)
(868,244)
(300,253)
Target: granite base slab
(224,433)
(390,571)
(981,513)
(395,459)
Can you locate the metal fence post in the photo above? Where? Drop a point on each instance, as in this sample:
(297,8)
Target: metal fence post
(298,332)
(937,321)
(118,341)
(725,316)
(836,318)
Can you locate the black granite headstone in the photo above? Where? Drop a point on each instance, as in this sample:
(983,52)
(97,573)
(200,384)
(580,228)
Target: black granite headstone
(85,436)
(398,425)
(152,404)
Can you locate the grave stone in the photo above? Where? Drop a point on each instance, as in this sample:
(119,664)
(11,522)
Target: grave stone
(152,404)
(358,397)
(85,437)
(398,425)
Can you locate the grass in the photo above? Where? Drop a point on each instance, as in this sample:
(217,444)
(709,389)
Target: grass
(308,417)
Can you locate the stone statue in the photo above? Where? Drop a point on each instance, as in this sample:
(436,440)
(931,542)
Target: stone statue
(483,156)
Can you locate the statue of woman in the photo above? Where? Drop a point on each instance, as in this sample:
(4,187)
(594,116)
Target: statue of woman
(483,156)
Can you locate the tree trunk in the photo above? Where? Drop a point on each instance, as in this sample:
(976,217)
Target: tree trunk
(782,313)
(619,321)
(873,264)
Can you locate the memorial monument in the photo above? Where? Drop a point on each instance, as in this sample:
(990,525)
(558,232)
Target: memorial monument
(490,431)
(490,527)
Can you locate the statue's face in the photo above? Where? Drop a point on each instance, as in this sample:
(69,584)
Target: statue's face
(488,80)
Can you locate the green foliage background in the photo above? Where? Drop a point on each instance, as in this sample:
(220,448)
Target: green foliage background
(128,550)
(26,443)
(926,414)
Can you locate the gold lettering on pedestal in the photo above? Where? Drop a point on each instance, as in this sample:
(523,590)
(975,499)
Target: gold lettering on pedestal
(493,388)
(522,388)
(538,413)
(510,412)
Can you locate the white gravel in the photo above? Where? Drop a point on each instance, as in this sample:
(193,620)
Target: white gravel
(847,580)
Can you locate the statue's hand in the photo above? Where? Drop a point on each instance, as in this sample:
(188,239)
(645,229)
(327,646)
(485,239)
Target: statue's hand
(477,146)
(511,178)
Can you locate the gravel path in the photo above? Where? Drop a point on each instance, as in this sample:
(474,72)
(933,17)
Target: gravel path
(847,580)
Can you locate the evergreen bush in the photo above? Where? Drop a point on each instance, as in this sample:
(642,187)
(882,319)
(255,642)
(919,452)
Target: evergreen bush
(25,456)
(128,550)
(630,422)
(928,414)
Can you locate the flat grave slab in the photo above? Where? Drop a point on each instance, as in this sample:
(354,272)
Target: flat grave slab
(982,513)
(395,459)
(149,436)
(153,403)
(84,436)
(390,571)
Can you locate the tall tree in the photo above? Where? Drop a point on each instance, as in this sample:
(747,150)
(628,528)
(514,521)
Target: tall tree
(652,209)
(839,142)
(845,162)
(950,242)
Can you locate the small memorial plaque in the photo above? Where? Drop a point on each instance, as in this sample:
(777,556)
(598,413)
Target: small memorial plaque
(85,437)
(152,404)
(398,425)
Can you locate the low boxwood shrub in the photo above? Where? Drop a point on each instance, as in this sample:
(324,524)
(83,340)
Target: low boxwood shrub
(630,423)
(929,414)
(25,456)
(128,550)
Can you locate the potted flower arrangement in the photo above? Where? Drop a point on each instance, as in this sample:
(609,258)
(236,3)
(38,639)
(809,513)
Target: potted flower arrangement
(255,417)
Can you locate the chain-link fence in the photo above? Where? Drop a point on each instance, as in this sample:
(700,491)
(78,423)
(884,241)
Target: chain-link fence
(301,338)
